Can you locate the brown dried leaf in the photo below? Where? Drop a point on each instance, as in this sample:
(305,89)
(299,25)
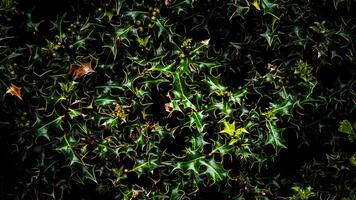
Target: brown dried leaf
(271,67)
(168,107)
(167,2)
(79,71)
(205,42)
(15,91)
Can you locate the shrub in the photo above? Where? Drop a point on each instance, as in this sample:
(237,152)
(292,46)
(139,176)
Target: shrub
(178,99)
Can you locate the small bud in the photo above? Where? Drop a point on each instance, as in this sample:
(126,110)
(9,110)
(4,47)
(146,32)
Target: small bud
(157,10)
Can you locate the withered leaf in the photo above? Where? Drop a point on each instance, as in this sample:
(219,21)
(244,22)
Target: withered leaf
(205,42)
(79,71)
(168,107)
(15,91)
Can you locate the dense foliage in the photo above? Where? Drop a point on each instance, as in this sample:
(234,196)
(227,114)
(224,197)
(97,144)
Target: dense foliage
(178,99)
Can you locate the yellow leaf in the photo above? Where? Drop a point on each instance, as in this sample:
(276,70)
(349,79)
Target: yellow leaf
(256,4)
(229,128)
(239,131)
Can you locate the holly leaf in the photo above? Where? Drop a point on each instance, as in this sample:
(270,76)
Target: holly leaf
(14,91)
(79,71)
(256,4)
(180,92)
(229,128)
(233,141)
(215,86)
(196,119)
(281,108)
(111,122)
(166,69)
(214,170)
(346,127)
(143,41)
(198,164)
(67,149)
(239,131)
(145,165)
(268,35)
(43,130)
(89,173)
(73,113)
(274,137)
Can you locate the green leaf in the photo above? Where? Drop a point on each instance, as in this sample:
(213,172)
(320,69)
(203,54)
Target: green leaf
(224,107)
(304,70)
(197,141)
(119,174)
(337,2)
(73,113)
(166,69)
(111,122)
(83,126)
(239,131)
(238,96)
(196,119)
(346,127)
(302,193)
(268,35)
(281,108)
(43,130)
(215,86)
(269,8)
(352,160)
(175,192)
(233,141)
(89,173)
(102,101)
(197,164)
(123,33)
(179,86)
(214,170)
(143,42)
(180,91)
(67,149)
(145,165)
(274,137)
